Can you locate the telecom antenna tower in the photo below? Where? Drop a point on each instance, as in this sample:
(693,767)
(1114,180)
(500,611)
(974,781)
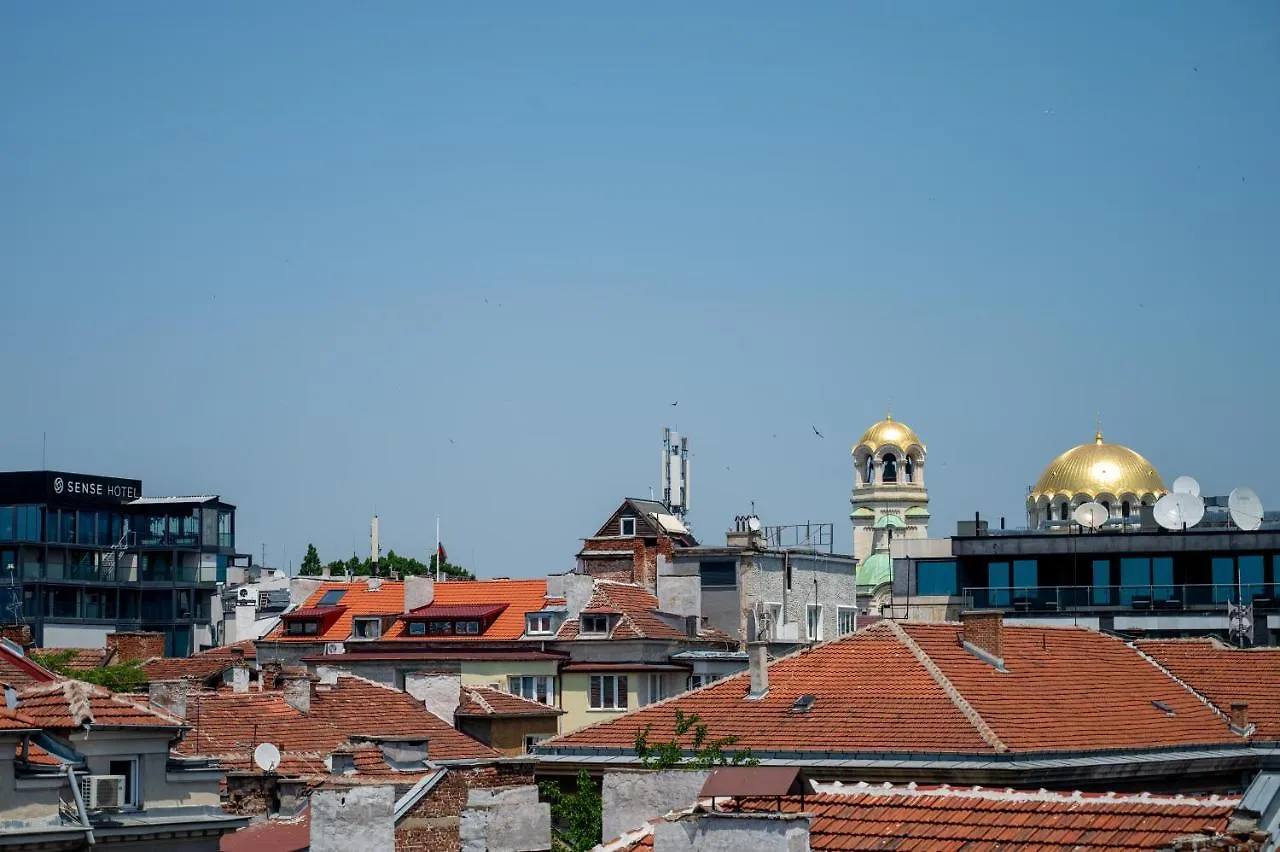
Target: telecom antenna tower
(675,473)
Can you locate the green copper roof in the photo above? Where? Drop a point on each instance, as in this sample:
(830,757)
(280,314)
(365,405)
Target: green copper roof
(875,570)
(917,512)
(864,512)
(890,521)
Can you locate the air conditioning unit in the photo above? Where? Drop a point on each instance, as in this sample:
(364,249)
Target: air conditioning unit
(244,593)
(333,648)
(102,792)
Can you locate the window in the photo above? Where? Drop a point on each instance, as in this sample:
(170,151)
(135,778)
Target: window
(539,688)
(440,628)
(303,628)
(417,628)
(538,624)
(719,575)
(998,580)
(1135,579)
(813,622)
(1025,574)
(1162,578)
(769,621)
(1124,508)
(627,527)
(846,619)
(936,578)
(655,688)
(1065,509)
(129,769)
(598,624)
(1101,582)
(6,524)
(467,628)
(331,597)
(909,470)
(1224,579)
(890,471)
(608,692)
(698,681)
(1251,578)
(871,470)
(366,628)
(531,740)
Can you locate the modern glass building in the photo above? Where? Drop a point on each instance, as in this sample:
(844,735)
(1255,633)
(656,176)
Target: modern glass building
(82,556)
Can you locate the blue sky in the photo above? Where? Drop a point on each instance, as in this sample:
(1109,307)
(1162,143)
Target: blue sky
(459,259)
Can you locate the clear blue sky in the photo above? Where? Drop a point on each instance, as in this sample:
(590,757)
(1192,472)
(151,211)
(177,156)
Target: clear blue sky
(246,248)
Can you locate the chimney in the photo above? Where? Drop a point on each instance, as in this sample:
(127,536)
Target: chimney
(18,634)
(298,692)
(237,654)
(418,591)
(400,753)
(758,655)
(130,646)
(169,696)
(239,679)
(982,633)
(1240,718)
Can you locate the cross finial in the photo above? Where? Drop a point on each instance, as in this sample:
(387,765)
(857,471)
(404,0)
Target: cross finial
(1097,435)
(888,410)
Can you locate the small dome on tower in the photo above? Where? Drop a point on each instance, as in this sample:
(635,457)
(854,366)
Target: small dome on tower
(889,432)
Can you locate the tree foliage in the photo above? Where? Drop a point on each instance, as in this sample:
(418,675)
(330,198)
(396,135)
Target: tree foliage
(405,566)
(576,817)
(699,752)
(117,677)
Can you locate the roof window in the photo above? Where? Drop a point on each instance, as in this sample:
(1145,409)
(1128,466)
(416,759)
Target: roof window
(331,597)
(598,624)
(627,527)
(803,704)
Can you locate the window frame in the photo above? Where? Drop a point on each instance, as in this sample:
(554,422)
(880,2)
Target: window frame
(515,686)
(531,740)
(538,618)
(417,628)
(132,780)
(652,680)
(622,526)
(842,611)
(617,689)
(594,618)
(361,620)
(809,622)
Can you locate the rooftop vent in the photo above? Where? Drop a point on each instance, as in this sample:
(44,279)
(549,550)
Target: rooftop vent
(1163,708)
(803,704)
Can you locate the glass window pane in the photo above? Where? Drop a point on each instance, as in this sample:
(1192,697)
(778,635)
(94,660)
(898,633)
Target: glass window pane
(1251,578)
(998,579)
(1162,578)
(1135,579)
(1101,582)
(7,523)
(1224,578)
(936,578)
(1025,574)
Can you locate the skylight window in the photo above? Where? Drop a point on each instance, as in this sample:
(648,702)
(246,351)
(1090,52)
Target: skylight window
(331,597)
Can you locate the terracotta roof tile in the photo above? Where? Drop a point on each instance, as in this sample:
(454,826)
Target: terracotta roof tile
(19,671)
(37,756)
(67,704)
(359,599)
(638,616)
(83,658)
(11,720)
(978,820)
(486,701)
(194,668)
(274,835)
(1064,689)
(1224,675)
(519,596)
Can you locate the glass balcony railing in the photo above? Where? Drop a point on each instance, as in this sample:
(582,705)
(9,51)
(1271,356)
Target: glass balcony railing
(1183,596)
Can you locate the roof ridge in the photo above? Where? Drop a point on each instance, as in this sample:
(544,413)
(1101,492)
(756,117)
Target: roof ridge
(1180,682)
(479,699)
(1009,794)
(984,730)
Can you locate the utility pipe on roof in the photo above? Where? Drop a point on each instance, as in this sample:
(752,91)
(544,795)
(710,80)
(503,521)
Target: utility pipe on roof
(84,812)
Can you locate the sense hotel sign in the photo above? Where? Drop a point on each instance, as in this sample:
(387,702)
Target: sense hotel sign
(93,489)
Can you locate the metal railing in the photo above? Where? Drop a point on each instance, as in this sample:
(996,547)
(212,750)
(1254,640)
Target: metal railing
(1151,596)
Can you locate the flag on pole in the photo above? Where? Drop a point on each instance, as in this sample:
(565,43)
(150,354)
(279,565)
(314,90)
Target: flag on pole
(441,558)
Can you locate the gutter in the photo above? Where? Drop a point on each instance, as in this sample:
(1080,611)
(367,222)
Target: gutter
(84,812)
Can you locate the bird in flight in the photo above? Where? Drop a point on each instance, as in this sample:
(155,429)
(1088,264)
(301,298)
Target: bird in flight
(815,430)
(674,404)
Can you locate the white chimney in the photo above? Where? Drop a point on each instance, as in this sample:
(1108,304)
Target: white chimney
(374,549)
(758,662)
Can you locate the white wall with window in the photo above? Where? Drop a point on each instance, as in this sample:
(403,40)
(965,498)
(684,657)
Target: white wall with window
(539,688)
(846,619)
(539,624)
(813,622)
(366,628)
(627,526)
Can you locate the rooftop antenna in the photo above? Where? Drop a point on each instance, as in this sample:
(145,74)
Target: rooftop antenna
(266,757)
(1245,508)
(1091,515)
(1186,485)
(15,596)
(675,473)
(1178,511)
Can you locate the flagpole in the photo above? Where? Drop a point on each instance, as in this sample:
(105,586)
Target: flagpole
(437,548)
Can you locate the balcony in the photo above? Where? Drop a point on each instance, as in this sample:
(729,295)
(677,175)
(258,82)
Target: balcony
(1173,598)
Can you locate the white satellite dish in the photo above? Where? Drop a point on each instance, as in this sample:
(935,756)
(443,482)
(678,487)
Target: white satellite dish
(1186,485)
(267,757)
(1178,511)
(1091,515)
(753,523)
(1245,508)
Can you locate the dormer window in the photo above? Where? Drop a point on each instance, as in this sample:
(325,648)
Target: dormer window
(595,624)
(417,628)
(627,527)
(538,624)
(366,628)
(302,628)
(467,628)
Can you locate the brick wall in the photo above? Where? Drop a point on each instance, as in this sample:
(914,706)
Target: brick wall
(983,629)
(433,824)
(643,565)
(136,646)
(19,634)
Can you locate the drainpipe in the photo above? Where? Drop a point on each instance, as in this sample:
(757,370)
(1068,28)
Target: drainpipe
(84,812)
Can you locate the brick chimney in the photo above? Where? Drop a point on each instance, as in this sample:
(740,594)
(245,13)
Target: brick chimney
(1240,718)
(18,634)
(758,661)
(136,645)
(237,654)
(982,632)
(298,692)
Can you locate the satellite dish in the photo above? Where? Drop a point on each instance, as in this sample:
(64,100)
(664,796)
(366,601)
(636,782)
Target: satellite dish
(1091,515)
(1178,511)
(1245,508)
(753,523)
(1186,485)
(267,757)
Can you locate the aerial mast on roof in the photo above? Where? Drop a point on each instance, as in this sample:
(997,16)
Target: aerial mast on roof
(675,473)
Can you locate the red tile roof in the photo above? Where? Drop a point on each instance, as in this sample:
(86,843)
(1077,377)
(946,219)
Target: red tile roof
(37,756)
(360,599)
(436,610)
(228,724)
(519,596)
(82,658)
(11,720)
(67,704)
(638,618)
(19,671)
(273,835)
(193,668)
(1225,675)
(489,702)
(982,820)
(913,688)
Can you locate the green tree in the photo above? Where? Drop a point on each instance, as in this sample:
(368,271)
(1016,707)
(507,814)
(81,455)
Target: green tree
(117,677)
(703,752)
(576,817)
(449,571)
(310,563)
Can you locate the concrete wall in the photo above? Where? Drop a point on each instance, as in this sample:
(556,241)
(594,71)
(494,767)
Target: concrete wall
(836,587)
(439,692)
(577,591)
(287,653)
(356,819)
(679,588)
(505,819)
(418,591)
(75,636)
(732,833)
(301,588)
(633,798)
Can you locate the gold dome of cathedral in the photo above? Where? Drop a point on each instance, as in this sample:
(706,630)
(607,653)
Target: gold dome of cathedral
(889,432)
(1099,468)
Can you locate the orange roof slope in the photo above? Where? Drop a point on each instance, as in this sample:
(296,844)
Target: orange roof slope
(487,701)
(81,658)
(19,671)
(360,599)
(224,724)
(872,696)
(195,668)
(1225,675)
(980,820)
(1071,689)
(521,597)
(67,704)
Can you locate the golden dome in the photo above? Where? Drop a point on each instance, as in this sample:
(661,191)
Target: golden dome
(1099,468)
(891,433)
